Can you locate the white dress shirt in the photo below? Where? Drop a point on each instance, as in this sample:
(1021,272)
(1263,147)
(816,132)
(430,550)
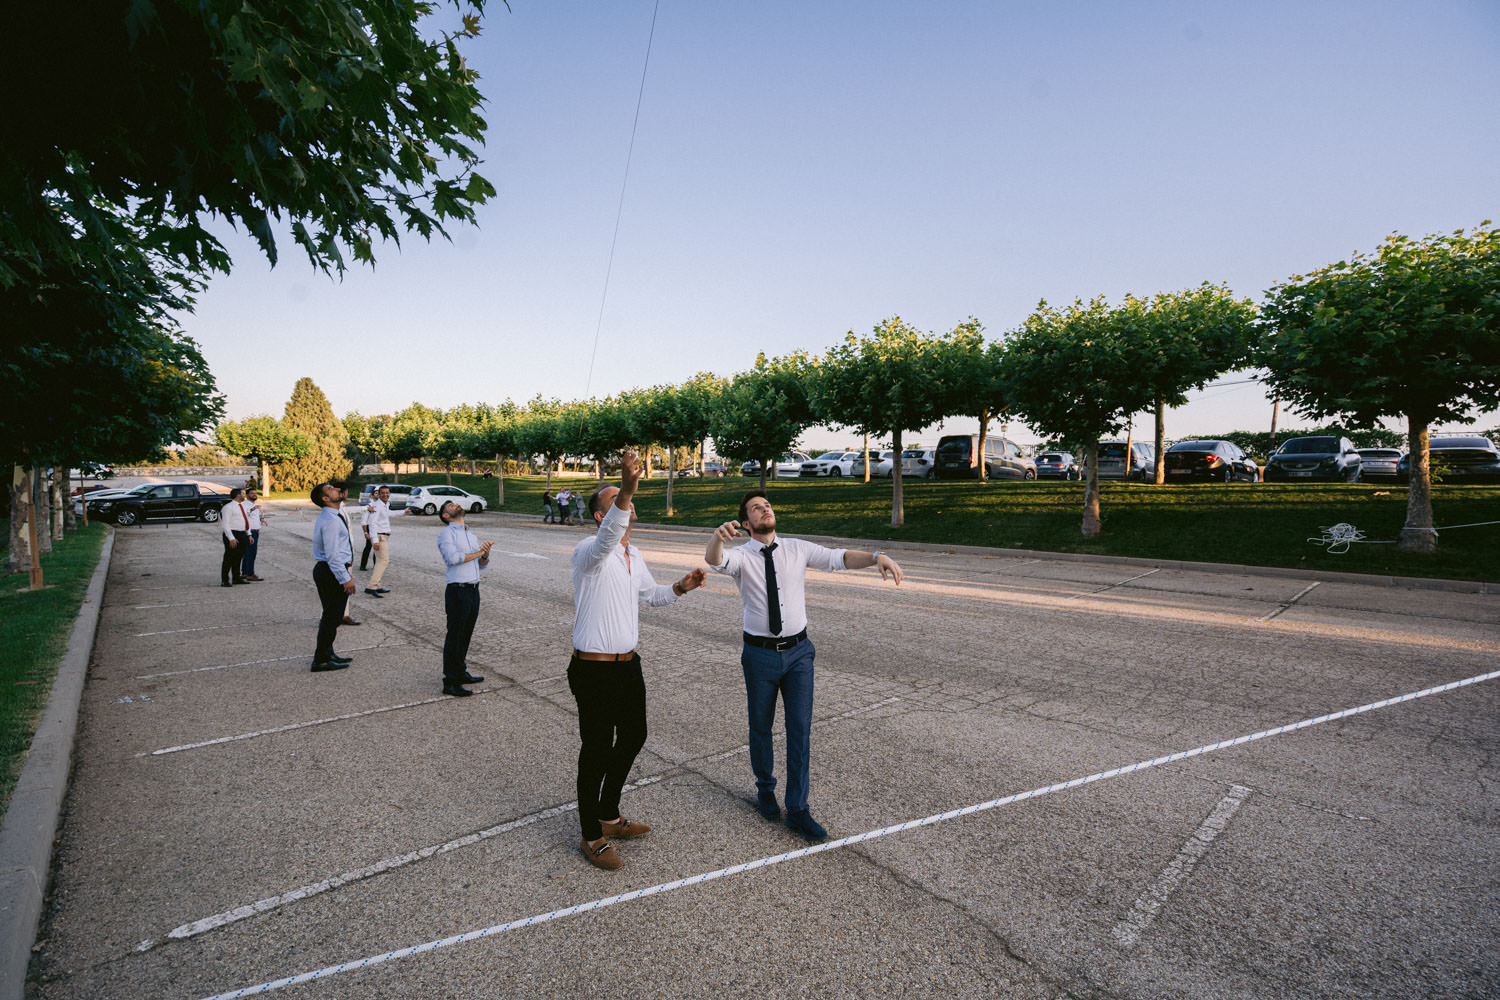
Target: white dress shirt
(378,520)
(791,556)
(607,591)
(454,542)
(332,544)
(257,520)
(235,516)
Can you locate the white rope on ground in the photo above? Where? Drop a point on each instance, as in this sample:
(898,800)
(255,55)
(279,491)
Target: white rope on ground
(625,897)
(1338,537)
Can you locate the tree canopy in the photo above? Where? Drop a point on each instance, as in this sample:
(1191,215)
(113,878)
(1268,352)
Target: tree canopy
(762,412)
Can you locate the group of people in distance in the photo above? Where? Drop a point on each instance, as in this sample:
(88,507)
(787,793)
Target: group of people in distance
(610,582)
(241,520)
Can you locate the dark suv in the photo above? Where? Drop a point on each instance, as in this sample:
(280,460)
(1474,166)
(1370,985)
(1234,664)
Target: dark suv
(1326,457)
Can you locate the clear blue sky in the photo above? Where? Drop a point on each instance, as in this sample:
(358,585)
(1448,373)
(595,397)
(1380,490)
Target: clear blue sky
(803,169)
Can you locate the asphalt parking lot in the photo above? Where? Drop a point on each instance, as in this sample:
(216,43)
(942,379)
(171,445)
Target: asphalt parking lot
(236,820)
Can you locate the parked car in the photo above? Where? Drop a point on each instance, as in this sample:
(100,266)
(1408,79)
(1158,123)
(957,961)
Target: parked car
(886,463)
(835,464)
(427,499)
(957,457)
(789,464)
(1458,459)
(1112,461)
(96,497)
(159,502)
(1210,460)
(918,462)
(1057,465)
(1321,456)
(93,470)
(1377,463)
(400,494)
(714,469)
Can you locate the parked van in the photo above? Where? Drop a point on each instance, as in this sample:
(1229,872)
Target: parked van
(957,457)
(1142,461)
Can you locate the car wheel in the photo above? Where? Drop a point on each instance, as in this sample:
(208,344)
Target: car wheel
(835,472)
(1229,475)
(126,517)
(1030,474)
(476,508)
(210,514)
(430,509)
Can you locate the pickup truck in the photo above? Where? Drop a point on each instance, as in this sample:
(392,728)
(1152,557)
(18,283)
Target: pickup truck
(159,502)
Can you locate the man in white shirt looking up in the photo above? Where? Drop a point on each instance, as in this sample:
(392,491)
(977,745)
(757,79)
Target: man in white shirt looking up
(234,520)
(610,579)
(464,556)
(257,519)
(777,656)
(378,532)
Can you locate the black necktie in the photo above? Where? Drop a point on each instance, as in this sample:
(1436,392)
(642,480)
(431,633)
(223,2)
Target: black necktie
(773,599)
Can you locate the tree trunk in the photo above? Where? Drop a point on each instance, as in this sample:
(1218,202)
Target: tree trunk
(549,474)
(500,480)
(473,469)
(70,519)
(1275,412)
(1091,524)
(56,495)
(1159,460)
(984,432)
(671,475)
(265,478)
(33,543)
(702,456)
(898,499)
(448,471)
(867,456)
(763,474)
(648,462)
(1418,534)
(40,536)
(1129,448)
(19,556)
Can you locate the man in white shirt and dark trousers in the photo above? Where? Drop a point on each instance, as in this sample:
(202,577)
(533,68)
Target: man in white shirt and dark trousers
(777,656)
(610,579)
(257,521)
(234,520)
(465,556)
(378,534)
(334,551)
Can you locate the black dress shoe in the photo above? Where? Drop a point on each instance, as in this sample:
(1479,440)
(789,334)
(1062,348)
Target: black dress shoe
(472,679)
(321,665)
(340,658)
(803,823)
(226,583)
(766,805)
(456,690)
(373,592)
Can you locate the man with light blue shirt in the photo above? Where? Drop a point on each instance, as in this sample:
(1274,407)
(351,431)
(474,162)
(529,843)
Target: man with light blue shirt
(334,551)
(610,579)
(465,556)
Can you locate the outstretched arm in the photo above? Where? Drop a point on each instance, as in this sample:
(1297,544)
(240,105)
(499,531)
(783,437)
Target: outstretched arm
(855,559)
(714,554)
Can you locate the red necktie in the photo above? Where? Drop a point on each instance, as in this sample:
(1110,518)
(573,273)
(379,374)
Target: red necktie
(245,516)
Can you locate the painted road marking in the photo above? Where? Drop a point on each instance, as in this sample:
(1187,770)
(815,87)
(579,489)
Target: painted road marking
(212,628)
(238,913)
(1286,604)
(289,728)
(1144,910)
(249,663)
(775,859)
(1112,586)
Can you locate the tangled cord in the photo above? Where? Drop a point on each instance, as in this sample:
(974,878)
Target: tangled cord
(1338,537)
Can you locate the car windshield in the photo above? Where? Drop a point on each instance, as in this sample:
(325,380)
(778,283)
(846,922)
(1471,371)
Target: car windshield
(1461,442)
(830,456)
(1049,458)
(1113,450)
(1309,446)
(1379,453)
(915,453)
(1194,446)
(954,446)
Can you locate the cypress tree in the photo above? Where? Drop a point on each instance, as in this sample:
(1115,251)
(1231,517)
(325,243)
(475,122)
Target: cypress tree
(308,411)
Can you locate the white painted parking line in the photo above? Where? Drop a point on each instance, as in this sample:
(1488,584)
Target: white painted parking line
(238,913)
(251,663)
(1286,604)
(1144,910)
(215,628)
(289,728)
(775,859)
(1112,586)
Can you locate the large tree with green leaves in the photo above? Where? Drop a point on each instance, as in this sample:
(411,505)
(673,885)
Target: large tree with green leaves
(494,432)
(1066,374)
(970,382)
(884,384)
(309,414)
(542,429)
(760,413)
(1183,340)
(678,416)
(1412,331)
(264,440)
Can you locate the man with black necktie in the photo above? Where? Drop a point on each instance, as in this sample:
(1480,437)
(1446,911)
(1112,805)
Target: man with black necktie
(334,551)
(464,556)
(777,656)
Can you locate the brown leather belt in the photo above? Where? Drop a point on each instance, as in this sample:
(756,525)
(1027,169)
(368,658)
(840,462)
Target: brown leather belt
(604,657)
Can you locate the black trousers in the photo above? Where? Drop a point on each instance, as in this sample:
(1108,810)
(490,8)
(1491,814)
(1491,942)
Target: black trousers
(364,557)
(331,593)
(234,557)
(461,602)
(611,698)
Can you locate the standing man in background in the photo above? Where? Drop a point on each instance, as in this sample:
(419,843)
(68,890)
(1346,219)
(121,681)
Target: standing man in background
(378,534)
(334,551)
(610,579)
(234,520)
(465,556)
(343,494)
(777,656)
(258,519)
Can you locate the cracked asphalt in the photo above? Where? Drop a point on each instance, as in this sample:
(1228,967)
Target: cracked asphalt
(1362,861)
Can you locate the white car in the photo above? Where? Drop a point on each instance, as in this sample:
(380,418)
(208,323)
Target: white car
(918,462)
(789,464)
(834,464)
(884,466)
(427,499)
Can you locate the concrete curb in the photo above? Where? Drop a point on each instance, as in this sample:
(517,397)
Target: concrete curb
(1234,569)
(31,819)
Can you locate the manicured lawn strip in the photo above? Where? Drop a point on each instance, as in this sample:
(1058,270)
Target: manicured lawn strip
(34,632)
(1254,524)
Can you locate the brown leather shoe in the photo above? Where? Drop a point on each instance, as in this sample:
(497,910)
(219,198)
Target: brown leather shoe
(253,577)
(624,829)
(351,621)
(601,857)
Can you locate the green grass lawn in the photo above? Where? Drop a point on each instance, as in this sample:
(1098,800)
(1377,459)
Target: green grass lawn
(1255,524)
(34,632)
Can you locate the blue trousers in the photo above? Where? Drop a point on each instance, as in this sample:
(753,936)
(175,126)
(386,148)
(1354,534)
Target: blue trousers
(248,562)
(789,673)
